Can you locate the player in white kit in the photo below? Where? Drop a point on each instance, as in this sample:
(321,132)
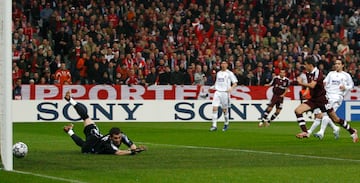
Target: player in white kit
(224,84)
(337,84)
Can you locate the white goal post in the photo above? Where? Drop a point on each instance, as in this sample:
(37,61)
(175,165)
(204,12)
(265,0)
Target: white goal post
(6,132)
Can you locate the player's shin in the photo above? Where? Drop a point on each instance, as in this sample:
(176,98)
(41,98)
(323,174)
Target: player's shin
(346,125)
(324,122)
(81,110)
(301,122)
(214,118)
(226,117)
(314,125)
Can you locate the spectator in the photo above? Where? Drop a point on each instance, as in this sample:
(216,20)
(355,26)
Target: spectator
(210,79)
(45,19)
(194,33)
(164,77)
(177,77)
(189,76)
(132,79)
(26,78)
(151,77)
(81,66)
(354,23)
(63,75)
(199,76)
(17,95)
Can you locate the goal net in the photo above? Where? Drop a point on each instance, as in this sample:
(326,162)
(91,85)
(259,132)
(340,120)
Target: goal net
(6,86)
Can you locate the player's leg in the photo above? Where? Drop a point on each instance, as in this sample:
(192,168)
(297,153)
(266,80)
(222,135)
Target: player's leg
(214,118)
(91,131)
(80,109)
(264,118)
(344,124)
(215,108)
(226,119)
(324,123)
(69,130)
(317,120)
(300,118)
(226,107)
(334,103)
(279,106)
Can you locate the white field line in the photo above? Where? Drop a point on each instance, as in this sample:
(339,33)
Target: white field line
(255,152)
(47,176)
(202,147)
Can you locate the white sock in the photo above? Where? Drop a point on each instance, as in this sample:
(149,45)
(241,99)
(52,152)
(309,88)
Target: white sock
(214,118)
(71,132)
(72,102)
(226,117)
(315,124)
(332,125)
(324,122)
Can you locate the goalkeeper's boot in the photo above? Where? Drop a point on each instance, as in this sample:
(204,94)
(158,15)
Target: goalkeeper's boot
(225,128)
(67,96)
(213,128)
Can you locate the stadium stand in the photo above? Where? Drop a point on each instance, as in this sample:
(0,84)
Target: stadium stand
(124,42)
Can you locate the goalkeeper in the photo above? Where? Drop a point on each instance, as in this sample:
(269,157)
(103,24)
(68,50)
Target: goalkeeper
(95,142)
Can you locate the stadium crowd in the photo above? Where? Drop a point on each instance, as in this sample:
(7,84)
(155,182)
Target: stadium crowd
(179,42)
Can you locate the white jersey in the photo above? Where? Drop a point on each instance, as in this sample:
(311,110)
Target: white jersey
(334,80)
(224,80)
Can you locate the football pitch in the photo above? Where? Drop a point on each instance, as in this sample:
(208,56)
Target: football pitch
(188,152)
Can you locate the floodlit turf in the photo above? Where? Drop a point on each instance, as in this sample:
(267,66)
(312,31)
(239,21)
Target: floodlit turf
(188,152)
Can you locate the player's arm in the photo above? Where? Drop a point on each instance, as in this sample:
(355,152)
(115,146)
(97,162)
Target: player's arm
(312,84)
(286,90)
(349,83)
(234,85)
(132,147)
(123,152)
(233,81)
(128,142)
(271,82)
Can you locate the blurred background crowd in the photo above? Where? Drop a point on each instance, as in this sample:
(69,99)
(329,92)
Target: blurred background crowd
(179,42)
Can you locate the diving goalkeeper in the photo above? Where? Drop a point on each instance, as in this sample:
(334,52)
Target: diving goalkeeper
(95,142)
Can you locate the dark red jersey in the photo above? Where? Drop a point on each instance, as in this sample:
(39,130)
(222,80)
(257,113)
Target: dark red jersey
(280,85)
(318,91)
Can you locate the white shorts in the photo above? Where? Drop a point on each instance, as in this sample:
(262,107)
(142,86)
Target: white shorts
(334,102)
(221,99)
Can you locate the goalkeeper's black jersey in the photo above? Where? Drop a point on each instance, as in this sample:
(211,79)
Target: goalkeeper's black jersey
(105,145)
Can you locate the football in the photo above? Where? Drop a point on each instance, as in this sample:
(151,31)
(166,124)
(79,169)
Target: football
(20,149)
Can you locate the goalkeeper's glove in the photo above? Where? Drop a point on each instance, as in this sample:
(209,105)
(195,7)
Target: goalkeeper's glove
(139,149)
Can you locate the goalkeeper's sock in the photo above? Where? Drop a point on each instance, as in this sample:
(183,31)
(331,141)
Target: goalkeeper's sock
(81,110)
(72,101)
(70,132)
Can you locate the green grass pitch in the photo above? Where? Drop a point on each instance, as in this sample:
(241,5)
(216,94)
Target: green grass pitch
(188,152)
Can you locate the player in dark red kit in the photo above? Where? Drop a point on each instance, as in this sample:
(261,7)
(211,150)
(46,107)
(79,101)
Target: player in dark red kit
(318,100)
(280,85)
(95,142)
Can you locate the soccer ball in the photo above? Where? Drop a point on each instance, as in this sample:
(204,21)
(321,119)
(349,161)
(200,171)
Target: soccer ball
(20,149)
